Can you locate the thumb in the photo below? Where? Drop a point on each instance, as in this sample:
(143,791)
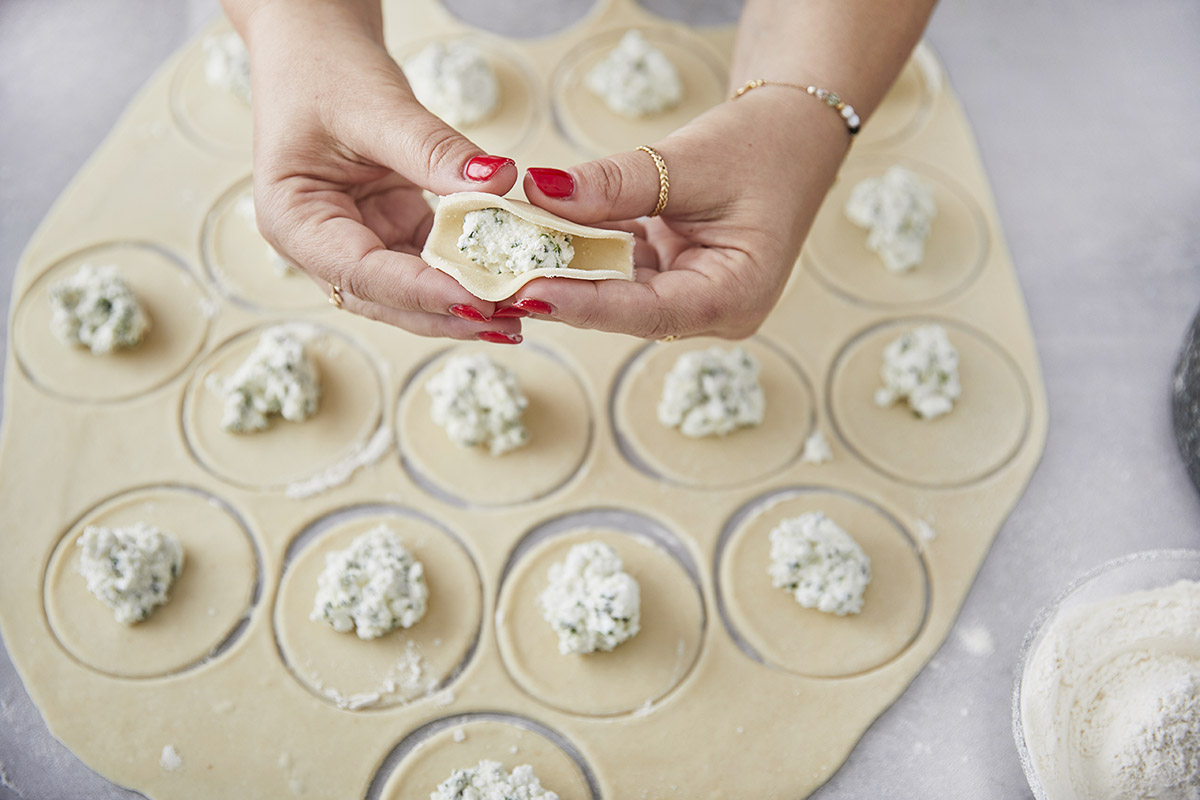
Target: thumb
(619,187)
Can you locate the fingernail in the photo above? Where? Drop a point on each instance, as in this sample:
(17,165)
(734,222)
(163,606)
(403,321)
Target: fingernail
(510,312)
(553,182)
(469,313)
(499,337)
(482,168)
(535,306)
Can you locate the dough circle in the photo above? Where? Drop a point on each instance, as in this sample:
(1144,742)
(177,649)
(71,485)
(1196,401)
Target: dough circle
(745,457)
(984,431)
(179,322)
(216,119)
(237,259)
(770,626)
(598,130)
(349,413)
(520,102)
(558,417)
(430,754)
(635,674)
(907,104)
(211,597)
(338,667)
(954,252)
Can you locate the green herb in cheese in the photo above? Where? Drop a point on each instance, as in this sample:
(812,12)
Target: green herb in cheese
(819,563)
(227,64)
(898,210)
(95,308)
(636,79)
(502,242)
(490,781)
(922,368)
(278,377)
(131,570)
(455,81)
(372,587)
(712,392)
(591,602)
(479,403)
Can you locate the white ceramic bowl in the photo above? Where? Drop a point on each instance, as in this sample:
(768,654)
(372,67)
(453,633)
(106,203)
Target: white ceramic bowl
(1148,569)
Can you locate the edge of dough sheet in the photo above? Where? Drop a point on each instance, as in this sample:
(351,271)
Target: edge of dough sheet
(606,254)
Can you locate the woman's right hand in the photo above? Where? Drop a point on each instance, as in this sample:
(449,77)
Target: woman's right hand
(342,150)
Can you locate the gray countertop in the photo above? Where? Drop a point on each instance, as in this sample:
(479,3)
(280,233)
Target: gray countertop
(1085,112)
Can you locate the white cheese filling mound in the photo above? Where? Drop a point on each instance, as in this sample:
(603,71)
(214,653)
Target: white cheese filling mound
(372,587)
(819,563)
(712,392)
(501,242)
(131,570)
(479,404)
(898,210)
(454,81)
(591,602)
(96,309)
(922,368)
(490,781)
(636,79)
(227,64)
(278,377)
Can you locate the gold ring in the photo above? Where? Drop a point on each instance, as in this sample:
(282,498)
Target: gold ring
(335,296)
(669,338)
(664,182)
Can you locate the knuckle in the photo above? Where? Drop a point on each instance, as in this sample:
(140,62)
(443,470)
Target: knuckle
(439,148)
(609,180)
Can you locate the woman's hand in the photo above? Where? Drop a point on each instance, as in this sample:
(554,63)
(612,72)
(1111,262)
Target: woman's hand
(746,180)
(342,151)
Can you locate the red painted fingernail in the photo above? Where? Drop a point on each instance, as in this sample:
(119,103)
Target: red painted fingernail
(499,337)
(469,313)
(482,168)
(553,182)
(535,306)
(510,312)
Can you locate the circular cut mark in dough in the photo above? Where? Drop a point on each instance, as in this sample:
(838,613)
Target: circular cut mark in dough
(287,452)
(770,626)
(982,434)
(214,118)
(403,665)
(558,418)
(520,103)
(596,129)
(211,598)
(746,456)
(428,756)
(954,252)
(239,260)
(179,319)
(907,105)
(638,672)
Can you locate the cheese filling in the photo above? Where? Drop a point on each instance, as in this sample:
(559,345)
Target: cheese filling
(819,563)
(131,570)
(922,368)
(636,79)
(712,392)
(96,309)
(479,404)
(227,64)
(488,780)
(591,602)
(454,81)
(278,377)
(501,242)
(898,211)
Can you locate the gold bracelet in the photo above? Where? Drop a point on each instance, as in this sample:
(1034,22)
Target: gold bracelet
(664,183)
(831,99)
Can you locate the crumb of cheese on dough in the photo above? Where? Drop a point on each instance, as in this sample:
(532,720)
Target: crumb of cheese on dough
(227,64)
(372,587)
(921,367)
(131,569)
(591,602)
(898,211)
(454,81)
(712,392)
(819,563)
(479,403)
(490,781)
(635,79)
(816,449)
(170,760)
(278,377)
(95,308)
(501,242)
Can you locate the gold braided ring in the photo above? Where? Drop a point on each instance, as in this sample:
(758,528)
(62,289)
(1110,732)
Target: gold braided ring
(335,296)
(664,182)
(669,338)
